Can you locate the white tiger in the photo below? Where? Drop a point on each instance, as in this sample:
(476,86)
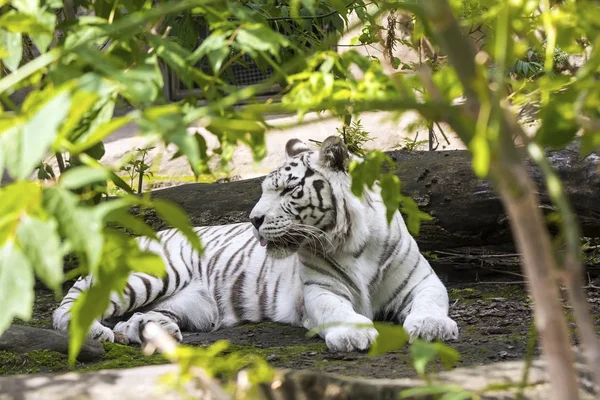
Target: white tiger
(313,255)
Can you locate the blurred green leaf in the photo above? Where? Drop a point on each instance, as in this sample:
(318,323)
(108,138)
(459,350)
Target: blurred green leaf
(41,245)
(80,225)
(424,352)
(27,6)
(16,285)
(13,44)
(258,38)
(177,218)
(81,176)
(390,338)
(99,134)
(120,256)
(438,391)
(590,141)
(27,142)
(128,221)
(480,149)
(558,125)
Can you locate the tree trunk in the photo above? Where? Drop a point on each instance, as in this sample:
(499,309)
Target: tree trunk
(466,210)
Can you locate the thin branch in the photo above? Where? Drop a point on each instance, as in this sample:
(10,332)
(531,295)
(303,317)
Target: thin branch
(517,192)
(572,270)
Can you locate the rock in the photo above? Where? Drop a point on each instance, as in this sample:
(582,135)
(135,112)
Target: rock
(143,384)
(25,339)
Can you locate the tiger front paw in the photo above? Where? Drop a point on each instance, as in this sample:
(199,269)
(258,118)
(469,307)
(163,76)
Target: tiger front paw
(347,339)
(430,327)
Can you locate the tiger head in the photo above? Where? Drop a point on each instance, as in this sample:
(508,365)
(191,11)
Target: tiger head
(307,203)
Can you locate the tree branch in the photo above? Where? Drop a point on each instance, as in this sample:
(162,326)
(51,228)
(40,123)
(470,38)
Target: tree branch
(519,196)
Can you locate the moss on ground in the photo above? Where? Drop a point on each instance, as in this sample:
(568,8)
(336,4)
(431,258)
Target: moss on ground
(470,295)
(117,356)
(33,362)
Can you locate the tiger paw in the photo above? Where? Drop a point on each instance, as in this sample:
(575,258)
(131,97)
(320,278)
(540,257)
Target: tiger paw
(347,339)
(430,327)
(101,333)
(134,327)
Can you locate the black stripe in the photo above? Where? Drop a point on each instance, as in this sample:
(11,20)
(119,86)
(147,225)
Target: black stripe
(321,271)
(361,250)
(171,315)
(187,267)
(148,286)
(404,282)
(260,274)
(116,308)
(385,269)
(237,296)
(340,270)
(132,296)
(165,285)
(409,296)
(212,262)
(331,288)
(275,295)
(141,327)
(230,261)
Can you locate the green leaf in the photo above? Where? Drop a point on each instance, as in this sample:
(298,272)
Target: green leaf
(437,391)
(43,39)
(13,205)
(390,192)
(259,38)
(480,149)
(128,221)
(81,176)
(590,141)
(90,305)
(448,83)
(558,125)
(120,256)
(147,263)
(12,42)
(41,244)
(424,352)
(30,7)
(25,144)
(390,338)
(177,218)
(81,226)
(100,133)
(215,48)
(16,285)
(10,81)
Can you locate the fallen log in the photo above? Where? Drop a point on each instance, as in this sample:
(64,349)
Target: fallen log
(466,210)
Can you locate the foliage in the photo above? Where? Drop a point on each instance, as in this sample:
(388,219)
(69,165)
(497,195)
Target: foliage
(137,168)
(355,137)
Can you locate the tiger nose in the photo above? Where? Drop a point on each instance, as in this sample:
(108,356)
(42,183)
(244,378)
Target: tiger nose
(257,221)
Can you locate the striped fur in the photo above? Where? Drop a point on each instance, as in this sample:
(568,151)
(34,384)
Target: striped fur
(313,255)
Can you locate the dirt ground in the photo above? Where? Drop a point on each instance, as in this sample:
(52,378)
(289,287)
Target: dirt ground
(494,320)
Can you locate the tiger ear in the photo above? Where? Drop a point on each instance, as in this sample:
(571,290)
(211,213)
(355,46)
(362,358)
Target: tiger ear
(294,147)
(334,154)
